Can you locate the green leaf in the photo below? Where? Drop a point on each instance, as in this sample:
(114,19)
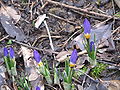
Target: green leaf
(67,86)
(56,77)
(7,63)
(9,42)
(117,14)
(48,79)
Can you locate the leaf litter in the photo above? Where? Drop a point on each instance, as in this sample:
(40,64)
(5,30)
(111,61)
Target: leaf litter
(11,22)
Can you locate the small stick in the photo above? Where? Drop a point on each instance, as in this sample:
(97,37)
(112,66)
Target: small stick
(44,36)
(4,38)
(51,43)
(61,18)
(31,11)
(69,38)
(79,9)
(118,28)
(43,6)
(83,14)
(50,51)
(51,86)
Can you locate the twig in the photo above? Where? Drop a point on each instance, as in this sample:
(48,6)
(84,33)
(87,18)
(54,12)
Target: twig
(116,30)
(50,51)
(79,9)
(51,43)
(76,80)
(44,36)
(85,76)
(43,6)
(4,38)
(61,18)
(83,14)
(114,14)
(70,38)
(31,16)
(50,86)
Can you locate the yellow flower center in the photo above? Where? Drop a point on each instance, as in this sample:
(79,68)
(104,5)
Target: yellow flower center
(72,65)
(40,64)
(87,36)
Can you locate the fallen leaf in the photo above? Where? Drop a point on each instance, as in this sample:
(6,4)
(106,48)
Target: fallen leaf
(33,76)
(80,87)
(5,87)
(111,84)
(11,29)
(117,2)
(10,13)
(40,19)
(61,57)
(1,80)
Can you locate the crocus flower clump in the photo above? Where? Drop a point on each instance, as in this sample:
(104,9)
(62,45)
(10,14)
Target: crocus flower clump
(89,45)
(73,58)
(9,59)
(42,69)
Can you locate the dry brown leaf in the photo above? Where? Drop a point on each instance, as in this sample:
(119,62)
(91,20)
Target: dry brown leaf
(117,2)
(10,12)
(4,87)
(112,84)
(63,55)
(8,25)
(40,19)
(33,76)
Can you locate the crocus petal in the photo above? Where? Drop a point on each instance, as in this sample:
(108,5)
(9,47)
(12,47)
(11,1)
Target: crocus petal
(73,57)
(5,51)
(87,26)
(37,88)
(37,56)
(92,46)
(12,54)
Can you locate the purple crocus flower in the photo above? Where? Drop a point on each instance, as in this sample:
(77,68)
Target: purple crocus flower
(5,51)
(87,28)
(12,54)
(92,46)
(73,58)
(37,56)
(37,88)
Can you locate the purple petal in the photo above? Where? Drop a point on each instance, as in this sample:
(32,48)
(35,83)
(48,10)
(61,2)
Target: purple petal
(37,88)
(37,56)
(87,26)
(12,54)
(74,56)
(92,46)
(5,51)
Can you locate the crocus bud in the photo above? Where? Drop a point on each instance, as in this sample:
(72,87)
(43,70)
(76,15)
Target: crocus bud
(73,58)
(92,46)
(37,58)
(37,88)
(5,51)
(12,54)
(87,28)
